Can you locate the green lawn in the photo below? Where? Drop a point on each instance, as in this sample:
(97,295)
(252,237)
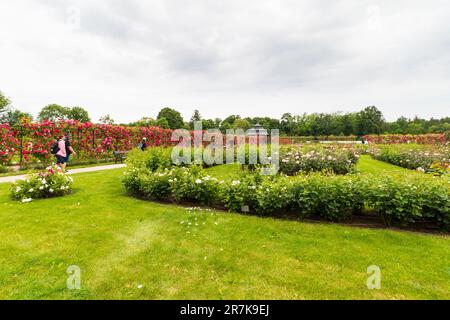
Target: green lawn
(369,165)
(121,243)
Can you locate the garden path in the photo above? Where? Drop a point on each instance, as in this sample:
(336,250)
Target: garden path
(73,171)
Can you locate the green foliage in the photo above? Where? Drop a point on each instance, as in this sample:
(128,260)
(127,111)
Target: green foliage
(369,121)
(424,158)
(331,197)
(46,184)
(273,195)
(178,183)
(53,112)
(14,117)
(3,169)
(106,119)
(398,199)
(122,243)
(340,160)
(4,103)
(162,123)
(11,115)
(241,124)
(195,117)
(151,159)
(240,194)
(403,199)
(173,117)
(193,184)
(79,114)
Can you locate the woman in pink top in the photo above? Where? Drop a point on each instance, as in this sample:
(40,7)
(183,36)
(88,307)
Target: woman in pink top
(61,155)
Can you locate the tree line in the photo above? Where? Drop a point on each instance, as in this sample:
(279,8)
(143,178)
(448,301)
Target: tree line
(369,120)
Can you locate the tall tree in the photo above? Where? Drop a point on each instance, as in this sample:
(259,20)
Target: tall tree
(195,117)
(173,117)
(78,113)
(4,103)
(106,119)
(15,117)
(241,124)
(144,122)
(162,123)
(287,123)
(53,112)
(370,121)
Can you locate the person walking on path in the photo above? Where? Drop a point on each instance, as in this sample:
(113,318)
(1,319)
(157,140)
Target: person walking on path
(61,155)
(69,149)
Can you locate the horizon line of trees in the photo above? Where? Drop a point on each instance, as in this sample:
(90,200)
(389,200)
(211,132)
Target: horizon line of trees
(369,120)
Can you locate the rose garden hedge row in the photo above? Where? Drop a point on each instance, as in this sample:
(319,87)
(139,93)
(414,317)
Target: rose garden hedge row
(399,199)
(429,159)
(427,139)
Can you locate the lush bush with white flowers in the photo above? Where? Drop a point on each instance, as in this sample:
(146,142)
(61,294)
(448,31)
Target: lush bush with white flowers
(240,194)
(423,158)
(49,183)
(399,199)
(175,184)
(336,159)
(313,180)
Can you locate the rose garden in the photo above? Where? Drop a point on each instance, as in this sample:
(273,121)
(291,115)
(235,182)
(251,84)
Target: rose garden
(165,229)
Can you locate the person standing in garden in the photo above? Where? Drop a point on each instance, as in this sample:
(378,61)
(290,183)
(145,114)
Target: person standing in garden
(143,145)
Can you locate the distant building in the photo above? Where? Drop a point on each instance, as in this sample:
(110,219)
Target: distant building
(254,134)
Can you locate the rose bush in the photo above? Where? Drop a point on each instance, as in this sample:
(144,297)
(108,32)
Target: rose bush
(49,183)
(427,159)
(400,199)
(439,139)
(337,159)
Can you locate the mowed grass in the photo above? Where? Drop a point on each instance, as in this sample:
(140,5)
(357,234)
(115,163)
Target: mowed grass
(133,249)
(367,164)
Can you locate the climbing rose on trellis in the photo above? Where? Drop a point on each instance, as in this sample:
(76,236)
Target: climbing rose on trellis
(90,140)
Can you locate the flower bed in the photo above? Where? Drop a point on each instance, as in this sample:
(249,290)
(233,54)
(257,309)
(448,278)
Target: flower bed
(46,184)
(339,160)
(399,199)
(428,159)
(439,139)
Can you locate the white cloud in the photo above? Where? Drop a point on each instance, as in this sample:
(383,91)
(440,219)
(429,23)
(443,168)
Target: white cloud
(130,58)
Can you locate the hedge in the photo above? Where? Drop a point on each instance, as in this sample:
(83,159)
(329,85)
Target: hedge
(400,199)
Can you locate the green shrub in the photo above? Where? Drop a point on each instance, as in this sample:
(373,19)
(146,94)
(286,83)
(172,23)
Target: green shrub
(329,196)
(405,199)
(177,183)
(49,183)
(399,199)
(338,160)
(240,194)
(3,169)
(153,158)
(424,158)
(274,194)
(193,184)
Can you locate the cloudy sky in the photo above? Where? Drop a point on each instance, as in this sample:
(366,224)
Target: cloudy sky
(130,58)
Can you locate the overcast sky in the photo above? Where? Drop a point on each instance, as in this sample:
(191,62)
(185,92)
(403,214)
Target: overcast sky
(129,58)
